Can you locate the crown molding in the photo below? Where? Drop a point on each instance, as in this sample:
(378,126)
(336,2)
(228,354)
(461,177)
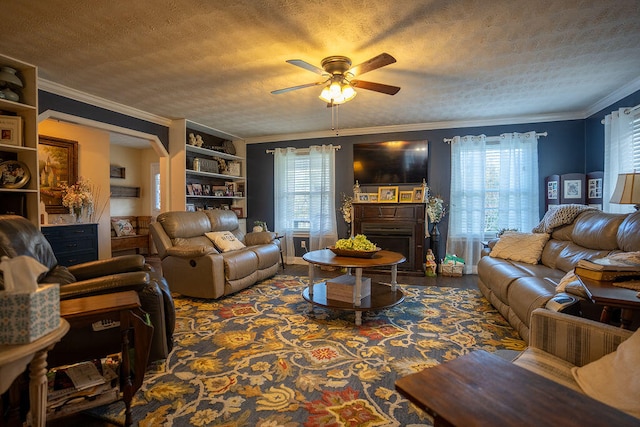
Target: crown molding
(418,127)
(68,92)
(614,97)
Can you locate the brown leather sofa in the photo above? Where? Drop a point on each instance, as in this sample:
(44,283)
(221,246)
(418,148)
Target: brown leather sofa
(515,288)
(192,264)
(18,236)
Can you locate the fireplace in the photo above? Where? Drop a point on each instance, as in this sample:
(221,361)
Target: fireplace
(394,227)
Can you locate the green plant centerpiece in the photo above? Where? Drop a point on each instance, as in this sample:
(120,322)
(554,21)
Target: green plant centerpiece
(358,246)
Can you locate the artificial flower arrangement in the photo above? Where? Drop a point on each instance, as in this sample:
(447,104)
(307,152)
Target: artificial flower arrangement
(436,209)
(347,205)
(78,197)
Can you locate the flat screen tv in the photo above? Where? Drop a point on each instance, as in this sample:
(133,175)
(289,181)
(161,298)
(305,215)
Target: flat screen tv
(390,162)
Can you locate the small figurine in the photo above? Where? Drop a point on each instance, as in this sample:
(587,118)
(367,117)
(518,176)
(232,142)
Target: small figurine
(430,265)
(192,139)
(199,141)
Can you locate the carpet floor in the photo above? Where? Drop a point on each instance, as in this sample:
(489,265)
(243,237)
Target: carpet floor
(264,357)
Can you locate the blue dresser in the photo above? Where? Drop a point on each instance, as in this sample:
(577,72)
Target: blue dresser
(73,243)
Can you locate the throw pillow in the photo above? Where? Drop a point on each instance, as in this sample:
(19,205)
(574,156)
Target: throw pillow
(225,241)
(524,247)
(123,227)
(614,378)
(571,285)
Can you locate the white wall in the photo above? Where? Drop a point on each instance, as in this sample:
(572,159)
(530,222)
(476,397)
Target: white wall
(137,164)
(93,165)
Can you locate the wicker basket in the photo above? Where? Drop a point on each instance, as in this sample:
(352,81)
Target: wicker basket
(451,270)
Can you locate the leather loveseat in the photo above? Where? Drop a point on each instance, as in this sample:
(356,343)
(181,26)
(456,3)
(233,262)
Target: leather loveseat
(517,288)
(18,236)
(194,266)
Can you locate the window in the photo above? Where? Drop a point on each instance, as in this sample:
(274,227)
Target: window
(494,185)
(155,186)
(621,151)
(304,188)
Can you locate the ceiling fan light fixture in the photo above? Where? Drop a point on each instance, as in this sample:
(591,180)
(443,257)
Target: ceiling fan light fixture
(337,92)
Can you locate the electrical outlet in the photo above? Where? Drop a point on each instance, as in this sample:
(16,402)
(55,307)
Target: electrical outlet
(303,244)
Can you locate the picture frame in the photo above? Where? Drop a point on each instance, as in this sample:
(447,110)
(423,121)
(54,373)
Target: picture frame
(363,197)
(197,189)
(11,130)
(190,207)
(14,174)
(572,189)
(388,194)
(238,211)
(406,197)
(57,167)
(117,172)
(373,197)
(418,195)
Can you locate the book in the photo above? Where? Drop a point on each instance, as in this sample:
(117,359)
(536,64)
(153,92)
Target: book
(607,264)
(605,275)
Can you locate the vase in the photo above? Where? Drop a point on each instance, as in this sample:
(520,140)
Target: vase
(77,214)
(435,242)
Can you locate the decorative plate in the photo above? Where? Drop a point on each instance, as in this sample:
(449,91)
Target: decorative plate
(14,174)
(353,253)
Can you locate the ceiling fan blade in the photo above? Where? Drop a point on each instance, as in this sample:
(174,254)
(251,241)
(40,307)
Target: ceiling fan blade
(372,64)
(378,87)
(289,89)
(304,64)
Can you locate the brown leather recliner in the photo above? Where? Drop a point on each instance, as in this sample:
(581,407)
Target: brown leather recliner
(18,236)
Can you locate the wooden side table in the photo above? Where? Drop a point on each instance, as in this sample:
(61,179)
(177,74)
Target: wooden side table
(15,358)
(608,295)
(122,307)
(481,389)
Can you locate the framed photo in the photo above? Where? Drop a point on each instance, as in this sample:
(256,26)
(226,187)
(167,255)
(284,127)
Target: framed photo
(230,188)
(406,196)
(58,166)
(238,210)
(190,207)
(190,189)
(388,194)
(373,197)
(11,130)
(418,195)
(206,190)
(363,197)
(573,189)
(197,189)
(117,172)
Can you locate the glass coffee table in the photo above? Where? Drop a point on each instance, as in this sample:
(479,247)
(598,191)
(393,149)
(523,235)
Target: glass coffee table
(382,295)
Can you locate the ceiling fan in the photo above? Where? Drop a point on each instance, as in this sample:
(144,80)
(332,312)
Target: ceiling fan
(339,77)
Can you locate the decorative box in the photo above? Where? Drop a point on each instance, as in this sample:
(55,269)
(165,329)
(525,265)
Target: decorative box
(341,288)
(233,168)
(28,316)
(451,270)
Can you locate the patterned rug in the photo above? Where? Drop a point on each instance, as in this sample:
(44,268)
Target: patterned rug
(263,357)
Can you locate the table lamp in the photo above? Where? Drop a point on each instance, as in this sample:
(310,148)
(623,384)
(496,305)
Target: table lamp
(627,191)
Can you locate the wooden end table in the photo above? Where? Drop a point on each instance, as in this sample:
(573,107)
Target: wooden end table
(482,389)
(382,296)
(122,307)
(15,358)
(606,294)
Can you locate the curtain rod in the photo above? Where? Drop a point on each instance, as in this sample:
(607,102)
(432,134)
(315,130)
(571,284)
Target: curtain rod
(335,147)
(627,111)
(538,135)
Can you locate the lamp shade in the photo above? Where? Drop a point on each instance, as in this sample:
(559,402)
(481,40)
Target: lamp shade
(627,191)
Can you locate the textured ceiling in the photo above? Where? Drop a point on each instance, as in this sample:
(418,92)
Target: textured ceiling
(216,62)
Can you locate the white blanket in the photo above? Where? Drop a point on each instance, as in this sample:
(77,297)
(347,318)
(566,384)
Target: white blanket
(562,215)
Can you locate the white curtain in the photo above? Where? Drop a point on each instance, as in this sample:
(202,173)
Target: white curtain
(494,185)
(322,208)
(304,192)
(618,146)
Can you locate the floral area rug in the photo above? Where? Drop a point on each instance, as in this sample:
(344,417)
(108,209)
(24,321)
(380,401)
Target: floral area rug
(264,357)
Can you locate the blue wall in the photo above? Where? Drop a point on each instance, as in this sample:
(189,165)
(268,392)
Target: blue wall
(50,101)
(573,146)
